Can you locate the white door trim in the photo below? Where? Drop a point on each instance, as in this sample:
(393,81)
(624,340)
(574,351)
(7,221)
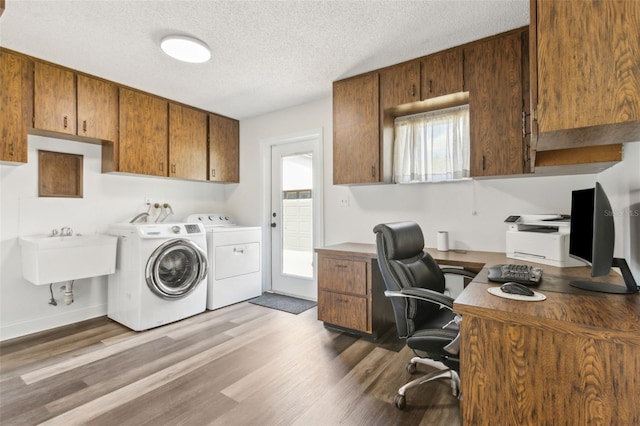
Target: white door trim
(316,136)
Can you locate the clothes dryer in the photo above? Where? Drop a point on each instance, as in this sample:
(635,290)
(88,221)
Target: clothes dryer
(160,275)
(234,254)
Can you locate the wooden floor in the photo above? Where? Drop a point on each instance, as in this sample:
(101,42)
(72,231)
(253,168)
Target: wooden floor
(240,365)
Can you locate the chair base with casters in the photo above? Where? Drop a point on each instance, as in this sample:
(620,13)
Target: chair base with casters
(442,372)
(423,313)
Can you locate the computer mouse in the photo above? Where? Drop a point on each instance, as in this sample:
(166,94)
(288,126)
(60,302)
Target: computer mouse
(516,288)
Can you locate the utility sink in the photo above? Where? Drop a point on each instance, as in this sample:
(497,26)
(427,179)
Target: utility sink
(47,259)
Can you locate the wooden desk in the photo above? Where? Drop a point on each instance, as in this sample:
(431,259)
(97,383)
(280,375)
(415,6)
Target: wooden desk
(572,359)
(351,289)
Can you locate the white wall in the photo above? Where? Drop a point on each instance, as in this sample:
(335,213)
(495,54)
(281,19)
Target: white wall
(473,211)
(622,185)
(108,198)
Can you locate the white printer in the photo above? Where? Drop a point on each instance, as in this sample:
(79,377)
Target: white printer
(540,238)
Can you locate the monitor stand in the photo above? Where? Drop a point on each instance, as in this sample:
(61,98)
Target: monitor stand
(630,284)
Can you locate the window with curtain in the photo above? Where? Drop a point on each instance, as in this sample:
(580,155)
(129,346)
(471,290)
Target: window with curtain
(432,146)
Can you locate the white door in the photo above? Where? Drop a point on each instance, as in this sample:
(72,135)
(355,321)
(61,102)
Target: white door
(292,218)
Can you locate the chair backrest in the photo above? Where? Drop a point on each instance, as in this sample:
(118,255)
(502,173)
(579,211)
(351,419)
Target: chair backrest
(404,263)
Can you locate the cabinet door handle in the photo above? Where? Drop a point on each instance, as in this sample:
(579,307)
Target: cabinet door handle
(84,126)
(413,90)
(484,162)
(162,166)
(430,86)
(340,266)
(213,172)
(65,121)
(173,168)
(373,171)
(11,150)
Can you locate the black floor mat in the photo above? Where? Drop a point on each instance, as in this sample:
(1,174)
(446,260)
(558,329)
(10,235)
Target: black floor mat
(280,302)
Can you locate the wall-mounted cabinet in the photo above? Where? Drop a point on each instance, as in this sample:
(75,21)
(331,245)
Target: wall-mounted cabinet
(140,133)
(187,143)
(356,130)
(441,74)
(74,104)
(494,78)
(399,84)
(585,67)
(97,108)
(16,103)
(143,134)
(492,71)
(224,149)
(54,99)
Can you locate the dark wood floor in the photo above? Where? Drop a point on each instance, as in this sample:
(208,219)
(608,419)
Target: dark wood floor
(240,365)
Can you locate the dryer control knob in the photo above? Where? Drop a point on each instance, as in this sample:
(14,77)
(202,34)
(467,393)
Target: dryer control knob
(175,229)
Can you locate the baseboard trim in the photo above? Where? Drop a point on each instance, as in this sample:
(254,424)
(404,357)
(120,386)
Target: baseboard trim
(22,328)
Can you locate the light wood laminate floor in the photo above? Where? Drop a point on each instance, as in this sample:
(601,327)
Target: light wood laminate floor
(240,365)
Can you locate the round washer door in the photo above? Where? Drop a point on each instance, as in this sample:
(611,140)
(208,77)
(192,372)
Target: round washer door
(176,268)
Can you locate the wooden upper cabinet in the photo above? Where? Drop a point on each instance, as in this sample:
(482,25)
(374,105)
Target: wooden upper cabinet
(97,108)
(16,102)
(586,64)
(356,130)
(224,149)
(442,74)
(187,143)
(493,72)
(143,134)
(400,84)
(54,99)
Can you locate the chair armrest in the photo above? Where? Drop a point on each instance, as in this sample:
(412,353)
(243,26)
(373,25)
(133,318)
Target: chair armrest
(455,271)
(423,294)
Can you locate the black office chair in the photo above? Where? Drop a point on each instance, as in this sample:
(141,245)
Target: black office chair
(423,313)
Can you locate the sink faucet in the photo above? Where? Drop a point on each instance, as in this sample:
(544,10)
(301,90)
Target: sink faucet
(66,231)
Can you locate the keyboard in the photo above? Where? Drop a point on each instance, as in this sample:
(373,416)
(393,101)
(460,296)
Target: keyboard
(523,274)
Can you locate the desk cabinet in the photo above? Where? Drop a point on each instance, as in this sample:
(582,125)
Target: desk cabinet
(569,360)
(351,292)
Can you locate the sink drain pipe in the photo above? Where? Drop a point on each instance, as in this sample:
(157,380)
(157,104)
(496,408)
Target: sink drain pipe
(68,293)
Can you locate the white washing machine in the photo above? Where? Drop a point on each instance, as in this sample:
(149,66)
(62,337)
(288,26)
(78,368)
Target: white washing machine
(160,273)
(234,260)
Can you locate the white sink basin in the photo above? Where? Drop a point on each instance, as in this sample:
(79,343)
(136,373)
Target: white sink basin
(47,259)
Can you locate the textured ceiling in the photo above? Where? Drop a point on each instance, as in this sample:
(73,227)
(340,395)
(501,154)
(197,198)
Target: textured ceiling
(267,55)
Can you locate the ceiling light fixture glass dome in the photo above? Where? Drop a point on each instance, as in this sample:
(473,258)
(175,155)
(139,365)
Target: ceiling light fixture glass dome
(185,48)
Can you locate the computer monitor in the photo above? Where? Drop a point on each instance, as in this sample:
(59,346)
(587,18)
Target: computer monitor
(592,238)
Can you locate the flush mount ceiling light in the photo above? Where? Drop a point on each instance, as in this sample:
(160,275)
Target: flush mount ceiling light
(184,48)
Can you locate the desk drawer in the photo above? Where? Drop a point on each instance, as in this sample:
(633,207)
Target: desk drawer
(343,310)
(345,276)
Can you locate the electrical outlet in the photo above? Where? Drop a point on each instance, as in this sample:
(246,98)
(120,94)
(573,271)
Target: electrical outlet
(344,202)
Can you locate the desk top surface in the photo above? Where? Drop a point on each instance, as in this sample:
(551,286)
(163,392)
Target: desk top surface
(569,310)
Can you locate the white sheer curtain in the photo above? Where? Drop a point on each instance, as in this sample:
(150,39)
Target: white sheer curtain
(432,147)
